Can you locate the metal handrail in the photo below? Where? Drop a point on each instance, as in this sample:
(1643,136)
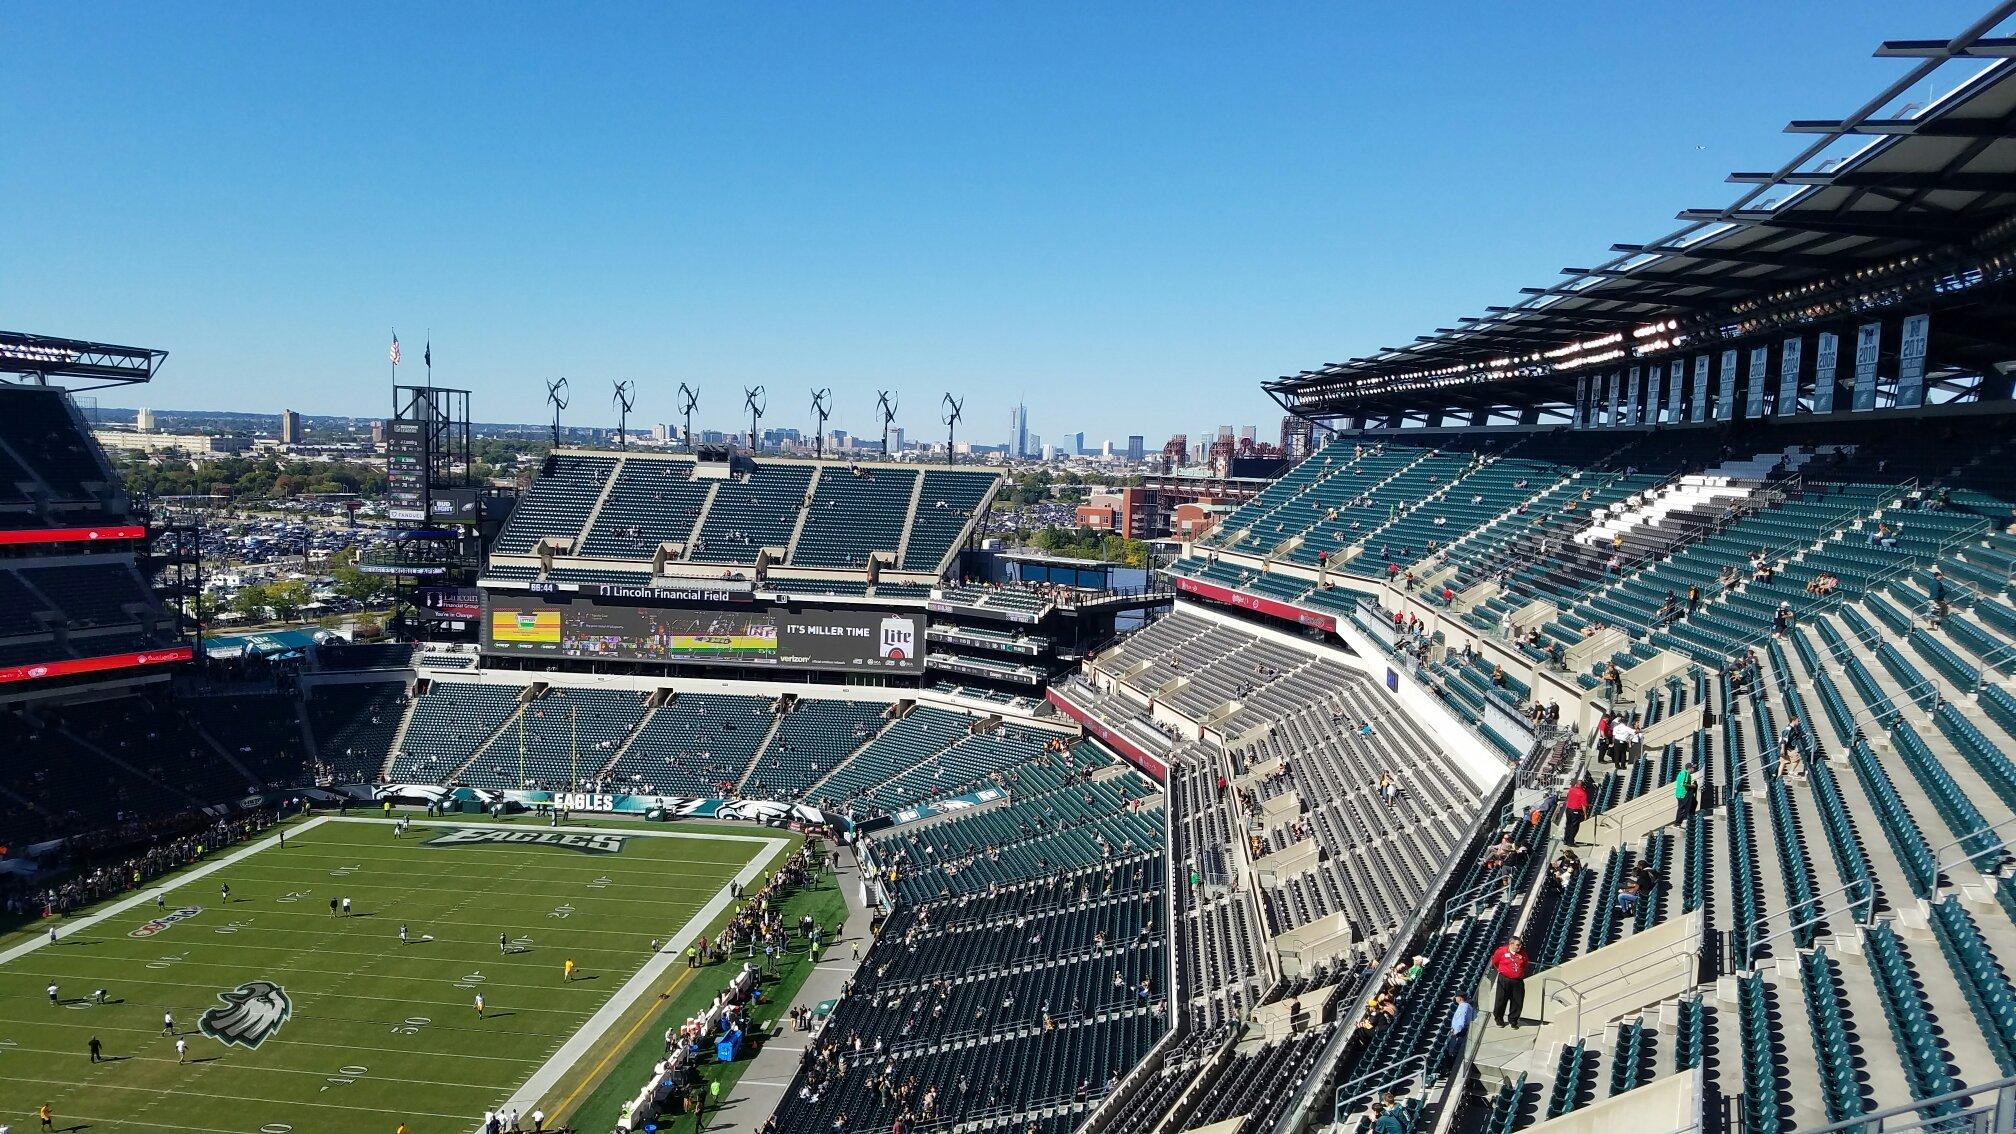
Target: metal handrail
(2003,1107)
(2002,844)
(1867,899)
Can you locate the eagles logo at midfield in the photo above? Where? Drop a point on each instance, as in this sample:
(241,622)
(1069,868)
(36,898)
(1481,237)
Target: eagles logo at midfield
(252,1014)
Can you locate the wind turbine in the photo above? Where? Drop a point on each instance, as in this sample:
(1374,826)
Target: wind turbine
(556,393)
(750,401)
(688,399)
(953,409)
(626,396)
(822,408)
(885,408)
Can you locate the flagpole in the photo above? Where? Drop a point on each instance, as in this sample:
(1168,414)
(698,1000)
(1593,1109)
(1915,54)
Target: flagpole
(395,357)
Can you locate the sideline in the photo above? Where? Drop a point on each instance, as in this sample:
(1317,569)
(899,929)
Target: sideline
(605,1019)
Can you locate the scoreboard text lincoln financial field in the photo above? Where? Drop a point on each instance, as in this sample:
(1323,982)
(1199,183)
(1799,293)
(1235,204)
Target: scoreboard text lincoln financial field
(815,639)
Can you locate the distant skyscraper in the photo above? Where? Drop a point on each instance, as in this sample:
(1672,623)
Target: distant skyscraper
(290,427)
(895,439)
(1136,446)
(143,420)
(661,432)
(1032,444)
(1078,443)
(1018,431)
(1106,450)
(1248,435)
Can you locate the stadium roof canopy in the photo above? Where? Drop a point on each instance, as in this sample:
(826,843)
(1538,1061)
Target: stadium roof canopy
(50,361)
(1881,196)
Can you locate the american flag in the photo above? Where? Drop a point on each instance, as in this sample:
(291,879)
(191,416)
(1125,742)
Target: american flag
(395,348)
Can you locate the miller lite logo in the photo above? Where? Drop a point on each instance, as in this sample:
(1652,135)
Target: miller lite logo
(899,638)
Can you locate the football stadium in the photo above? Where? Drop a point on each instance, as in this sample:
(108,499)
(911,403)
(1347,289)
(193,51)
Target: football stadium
(1606,721)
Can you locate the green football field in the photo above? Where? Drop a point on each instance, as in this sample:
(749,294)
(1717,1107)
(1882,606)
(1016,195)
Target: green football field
(303,1021)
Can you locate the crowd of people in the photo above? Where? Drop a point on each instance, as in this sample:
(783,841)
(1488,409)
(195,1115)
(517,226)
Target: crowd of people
(175,842)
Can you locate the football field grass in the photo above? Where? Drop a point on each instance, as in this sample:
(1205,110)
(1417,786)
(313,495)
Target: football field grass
(300,1020)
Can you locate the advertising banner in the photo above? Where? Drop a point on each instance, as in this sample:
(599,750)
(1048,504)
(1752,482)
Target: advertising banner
(68,666)
(451,604)
(72,535)
(649,806)
(1255,602)
(854,640)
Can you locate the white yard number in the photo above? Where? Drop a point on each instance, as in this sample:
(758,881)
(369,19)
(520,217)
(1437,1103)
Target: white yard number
(291,897)
(470,981)
(410,1026)
(169,959)
(563,910)
(345,871)
(602,883)
(345,1076)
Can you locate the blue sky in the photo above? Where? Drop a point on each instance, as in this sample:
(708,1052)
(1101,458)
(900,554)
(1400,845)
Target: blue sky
(1128,216)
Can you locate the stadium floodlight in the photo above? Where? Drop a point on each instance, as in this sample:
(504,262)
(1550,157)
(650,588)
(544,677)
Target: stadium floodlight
(822,408)
(885,408)
(689,397)
(755,401)
(626,396)
(954,409)
(556,394)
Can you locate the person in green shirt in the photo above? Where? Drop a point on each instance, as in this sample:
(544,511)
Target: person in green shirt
(1684,793)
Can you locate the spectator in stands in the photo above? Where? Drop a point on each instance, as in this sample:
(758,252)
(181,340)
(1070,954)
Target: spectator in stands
(1781,619)
(1575,808)
(1460,1016)
(1613,679)
(1511,964)
(1693,597)
(1684,793)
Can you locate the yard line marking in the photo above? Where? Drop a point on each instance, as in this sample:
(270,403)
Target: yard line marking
(103,1085)
(577,1046)
(194,874)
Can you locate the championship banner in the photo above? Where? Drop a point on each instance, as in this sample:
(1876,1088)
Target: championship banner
(1616,397)
(1725,395)
(1868,348)
(1760,369)
(1674,381)
(1911,361)
(1788,376)
(1631,410)
(1581,401)
(1699,410)
(1655,394)
(1826,357)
